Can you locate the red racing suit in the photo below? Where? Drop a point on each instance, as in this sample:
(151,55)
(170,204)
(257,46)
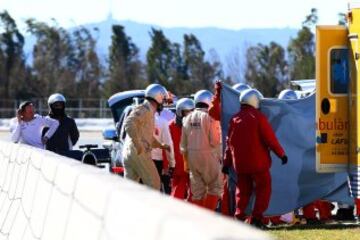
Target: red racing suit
(249,141)
(357,204)
(215,106)
(324,208)
(215,112)
(180,182)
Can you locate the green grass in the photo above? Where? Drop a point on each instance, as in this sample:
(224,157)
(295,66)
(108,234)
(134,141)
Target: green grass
(318,233)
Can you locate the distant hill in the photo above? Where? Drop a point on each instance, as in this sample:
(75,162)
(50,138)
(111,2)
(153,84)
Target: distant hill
(223,41)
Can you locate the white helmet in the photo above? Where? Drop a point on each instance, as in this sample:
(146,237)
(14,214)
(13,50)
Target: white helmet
(241,87)
(56,97)
(186,104)
(156,92)
(251,97)
(288,94)
(203,96)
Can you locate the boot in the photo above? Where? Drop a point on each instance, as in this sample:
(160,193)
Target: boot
(258,223)
(211,201)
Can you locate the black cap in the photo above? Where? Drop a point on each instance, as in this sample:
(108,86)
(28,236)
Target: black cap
(24,104)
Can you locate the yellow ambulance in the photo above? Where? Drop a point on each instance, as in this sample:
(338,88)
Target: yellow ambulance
(337,100)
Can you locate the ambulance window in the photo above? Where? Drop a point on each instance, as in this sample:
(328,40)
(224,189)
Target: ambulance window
(339,67)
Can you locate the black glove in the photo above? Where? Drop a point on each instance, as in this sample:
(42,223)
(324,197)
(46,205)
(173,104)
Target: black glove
(225,170)
(284,160)
(171,172)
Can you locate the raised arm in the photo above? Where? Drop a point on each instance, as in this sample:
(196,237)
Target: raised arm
(15,129)
(215,107)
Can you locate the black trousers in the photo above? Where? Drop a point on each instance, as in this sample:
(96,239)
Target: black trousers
(165,179)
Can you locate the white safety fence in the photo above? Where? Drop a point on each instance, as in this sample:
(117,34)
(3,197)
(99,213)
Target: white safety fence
(45,196)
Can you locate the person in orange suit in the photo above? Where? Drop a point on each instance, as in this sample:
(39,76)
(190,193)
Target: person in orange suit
(200,143)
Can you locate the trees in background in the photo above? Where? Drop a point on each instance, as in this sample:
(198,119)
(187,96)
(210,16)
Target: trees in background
(266,68)
(13,71)
(181,68)
(54,60)
(179,80)
(125,70)
(301,50)
(235,65)
(159,59)
(66,61)
(89,70)
(201,72)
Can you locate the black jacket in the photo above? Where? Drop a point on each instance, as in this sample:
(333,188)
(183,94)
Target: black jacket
(66,133)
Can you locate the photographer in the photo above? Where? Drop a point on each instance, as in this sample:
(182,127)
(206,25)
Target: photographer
(27,127)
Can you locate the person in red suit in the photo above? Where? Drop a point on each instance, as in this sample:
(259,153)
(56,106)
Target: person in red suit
(357,213)
(249,141)
(228,196)
(215,106)
(324,208)
(180,174)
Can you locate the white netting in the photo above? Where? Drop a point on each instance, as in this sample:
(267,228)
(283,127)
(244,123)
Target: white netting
(44,196)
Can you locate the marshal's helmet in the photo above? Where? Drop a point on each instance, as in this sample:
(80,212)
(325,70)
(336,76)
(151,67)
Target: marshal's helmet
(251,97)
(184,104)
(203,97)
(288,94)
(240,87)
(157,93)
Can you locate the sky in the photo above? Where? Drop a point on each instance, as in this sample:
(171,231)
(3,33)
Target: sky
(229,14)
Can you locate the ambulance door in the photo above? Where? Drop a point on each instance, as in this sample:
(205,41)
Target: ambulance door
(354,162)
(332,99)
